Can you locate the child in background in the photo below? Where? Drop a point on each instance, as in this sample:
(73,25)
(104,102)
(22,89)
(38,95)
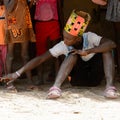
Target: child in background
(48,29)
(3,46)
(19,30)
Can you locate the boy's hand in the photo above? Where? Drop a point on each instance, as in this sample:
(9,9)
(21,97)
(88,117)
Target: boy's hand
(9,78)
(80,52)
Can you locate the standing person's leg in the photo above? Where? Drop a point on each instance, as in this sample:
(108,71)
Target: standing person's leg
(54,37)
(109,70)
(10,57)
(54,64)
(9,62)
(65,69)
(4,54)
(25,58)
(40,74)
(41,48)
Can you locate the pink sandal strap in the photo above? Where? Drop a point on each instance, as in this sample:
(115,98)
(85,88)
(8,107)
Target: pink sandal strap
(54,92)
(111,88)
(110,92)
(55,88)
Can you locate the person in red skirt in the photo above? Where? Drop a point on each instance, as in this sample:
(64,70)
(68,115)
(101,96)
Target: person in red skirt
(48,30)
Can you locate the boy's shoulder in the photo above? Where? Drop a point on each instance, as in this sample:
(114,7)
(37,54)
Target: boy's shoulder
(91,37)
(89,33)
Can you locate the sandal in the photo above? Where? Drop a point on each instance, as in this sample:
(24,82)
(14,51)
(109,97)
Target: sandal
(54,92)
(111,92)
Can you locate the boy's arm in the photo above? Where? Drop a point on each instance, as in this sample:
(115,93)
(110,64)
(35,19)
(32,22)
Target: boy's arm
(105,46)
(29,66)
(35,62)
(55,51)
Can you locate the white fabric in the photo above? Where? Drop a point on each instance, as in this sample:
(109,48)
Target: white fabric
(59,49)
(90,40)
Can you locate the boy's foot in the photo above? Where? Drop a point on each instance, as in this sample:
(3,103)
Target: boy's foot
(54,92)
(111,92)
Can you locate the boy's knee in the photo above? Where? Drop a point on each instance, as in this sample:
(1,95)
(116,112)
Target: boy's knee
(107,54)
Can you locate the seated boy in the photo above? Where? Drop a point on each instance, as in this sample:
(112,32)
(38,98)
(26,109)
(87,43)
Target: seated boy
(76,43)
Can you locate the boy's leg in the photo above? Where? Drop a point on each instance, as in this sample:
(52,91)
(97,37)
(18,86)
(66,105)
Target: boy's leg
(109,70)
(64,71)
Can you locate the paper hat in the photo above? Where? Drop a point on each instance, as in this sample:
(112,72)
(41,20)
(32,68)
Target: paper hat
(77,23)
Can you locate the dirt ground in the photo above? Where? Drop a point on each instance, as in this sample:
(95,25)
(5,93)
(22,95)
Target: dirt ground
(76,103)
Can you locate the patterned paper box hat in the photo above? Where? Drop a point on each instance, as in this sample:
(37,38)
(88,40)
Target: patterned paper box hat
(77,23)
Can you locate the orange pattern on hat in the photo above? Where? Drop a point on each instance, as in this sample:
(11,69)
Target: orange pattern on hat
(77,23)
(77,26)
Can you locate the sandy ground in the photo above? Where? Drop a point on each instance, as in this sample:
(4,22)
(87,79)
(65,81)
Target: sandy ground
(76,103)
